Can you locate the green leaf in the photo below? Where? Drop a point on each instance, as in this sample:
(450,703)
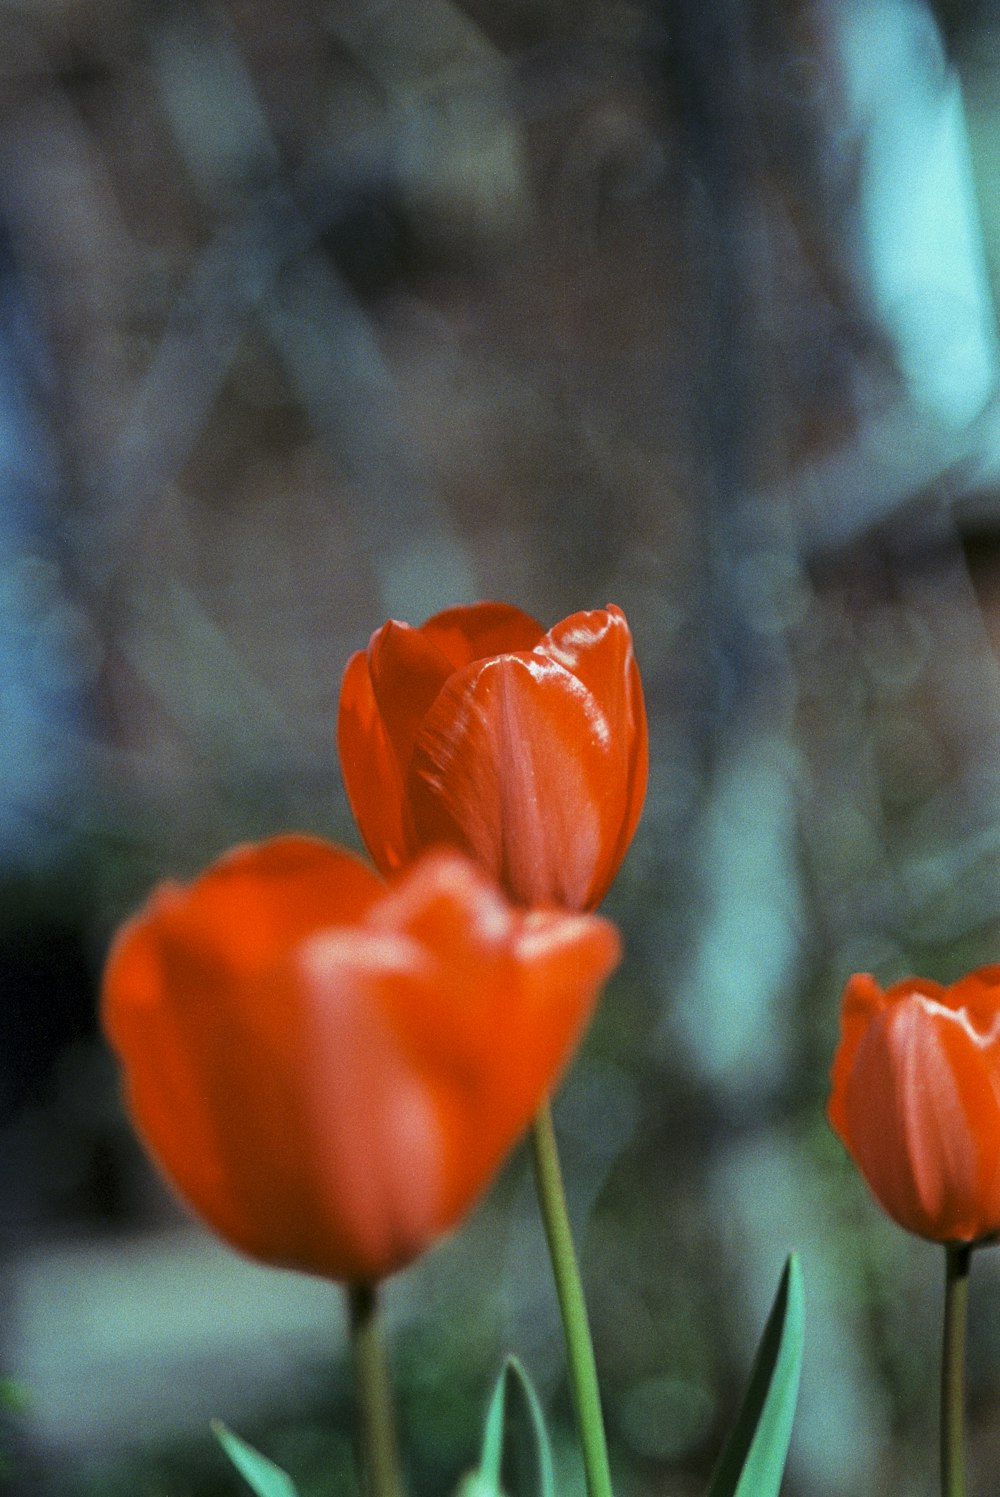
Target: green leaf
(266,1479)
(753,1459)
(485,1482)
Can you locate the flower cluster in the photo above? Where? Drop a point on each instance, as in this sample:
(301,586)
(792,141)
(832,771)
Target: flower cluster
(330,1064)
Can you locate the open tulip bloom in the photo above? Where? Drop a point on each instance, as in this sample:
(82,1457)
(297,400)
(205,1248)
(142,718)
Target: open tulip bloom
(331,1070)
(524,748)
(916,1102)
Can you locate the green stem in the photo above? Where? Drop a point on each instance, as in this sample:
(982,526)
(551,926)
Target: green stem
(576,1327)
(956,1299)
(374,1392)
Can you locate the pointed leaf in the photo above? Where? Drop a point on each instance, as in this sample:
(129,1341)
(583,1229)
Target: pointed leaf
(266,1479)
(486,1481)
(753,1459)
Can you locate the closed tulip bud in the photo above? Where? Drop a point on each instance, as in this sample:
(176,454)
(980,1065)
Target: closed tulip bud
(330,1070)
(525,749)
(916,1100)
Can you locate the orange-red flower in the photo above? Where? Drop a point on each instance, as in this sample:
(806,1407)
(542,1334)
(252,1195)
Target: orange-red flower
(916,1100)
(329,1069)
(527,750)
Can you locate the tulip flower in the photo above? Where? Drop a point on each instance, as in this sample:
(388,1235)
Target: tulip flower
(525,749)
(330,1069)
(916,1100)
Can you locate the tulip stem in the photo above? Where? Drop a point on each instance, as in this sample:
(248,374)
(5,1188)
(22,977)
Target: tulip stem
(374,1392)
(569,1288)
(956,1299)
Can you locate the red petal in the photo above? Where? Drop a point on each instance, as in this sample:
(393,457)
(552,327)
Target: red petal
(454,911)
(163,1085)
(210,1047)
(924,1121)
(372,776)
(565,961)
(597,648)
(535,1025)
(863,1001)
(505,1000)
(258,899)
(518,764)
(452,908)
(479,630)
(407,672)
(978,993)
(639,766)
(378,1155)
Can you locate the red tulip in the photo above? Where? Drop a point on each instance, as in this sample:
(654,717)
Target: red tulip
(916,1100)
(330,1070)
(526,750)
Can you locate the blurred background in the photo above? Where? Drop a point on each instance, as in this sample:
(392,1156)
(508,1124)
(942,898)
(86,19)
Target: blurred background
(320,313)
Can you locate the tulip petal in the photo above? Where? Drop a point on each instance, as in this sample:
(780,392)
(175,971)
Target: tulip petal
(370,769)
(517,764)
(394,1183)
(596,648)
(385,692)
(478,630)
(215,1105)
(261,898)
(209,1053)
(564,961)
(510,996)
(863,1001)
(452,908)
(163,1088)
(535,1024)
(924,1122)
(557,722)
(329,1071)
(457,915)
(978,995)
(407,672)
